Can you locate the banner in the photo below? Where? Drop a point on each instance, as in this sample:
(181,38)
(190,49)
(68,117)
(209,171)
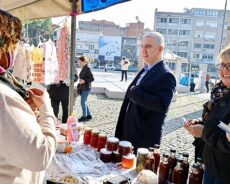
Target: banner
(94,5)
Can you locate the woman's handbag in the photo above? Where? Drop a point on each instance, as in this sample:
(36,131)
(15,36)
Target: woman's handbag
(77,91)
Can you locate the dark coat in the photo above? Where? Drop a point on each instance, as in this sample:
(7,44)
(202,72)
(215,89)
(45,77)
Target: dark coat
(148,103)
(216,152)
(58,91)
(87,75)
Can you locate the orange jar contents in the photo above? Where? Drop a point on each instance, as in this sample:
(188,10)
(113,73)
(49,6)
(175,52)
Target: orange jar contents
(128,161)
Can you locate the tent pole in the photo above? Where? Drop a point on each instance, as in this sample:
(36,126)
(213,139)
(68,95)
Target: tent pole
(72,57)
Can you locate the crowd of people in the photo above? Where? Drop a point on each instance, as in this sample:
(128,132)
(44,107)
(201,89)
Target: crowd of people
(27,125)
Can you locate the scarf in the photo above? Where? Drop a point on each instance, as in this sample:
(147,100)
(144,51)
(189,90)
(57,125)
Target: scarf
(8,79)
(218,92)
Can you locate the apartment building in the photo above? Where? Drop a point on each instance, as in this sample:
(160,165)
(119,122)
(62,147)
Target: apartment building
(194,34)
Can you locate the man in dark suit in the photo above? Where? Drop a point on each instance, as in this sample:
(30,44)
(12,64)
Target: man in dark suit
(148,97)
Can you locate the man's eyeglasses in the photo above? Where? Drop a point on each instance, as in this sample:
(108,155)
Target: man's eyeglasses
(221,66)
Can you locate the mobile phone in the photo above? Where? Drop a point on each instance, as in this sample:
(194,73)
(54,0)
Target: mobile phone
(224,127)
(184,119)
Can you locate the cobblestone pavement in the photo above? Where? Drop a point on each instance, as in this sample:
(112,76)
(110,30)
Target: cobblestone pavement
(105,113)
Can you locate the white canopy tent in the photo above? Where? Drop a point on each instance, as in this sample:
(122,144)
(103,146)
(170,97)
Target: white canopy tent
(37,9)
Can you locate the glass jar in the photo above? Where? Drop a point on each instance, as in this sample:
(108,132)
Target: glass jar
(105,155)
(157,156)
(112,143)
(102,138)
(128,161)
(117,157)
(141,157)
(150,160)
(94,138)
(125,147)
(87,135)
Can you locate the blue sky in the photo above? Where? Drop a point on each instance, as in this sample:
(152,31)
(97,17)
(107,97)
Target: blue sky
(126,12)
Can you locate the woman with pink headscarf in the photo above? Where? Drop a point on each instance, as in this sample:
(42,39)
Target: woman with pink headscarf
(27,143)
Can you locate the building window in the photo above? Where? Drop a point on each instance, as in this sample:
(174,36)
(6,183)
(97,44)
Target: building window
(185,21)
(184,32)
(198,34)
(210,36)
(196,56)
(174,20)
(197,45)
(173,31)
(183,43)
(182,54)
(91,47)
(207,56)
(161,20)
(209,46)
(211,23)
(199,23)
(162,31)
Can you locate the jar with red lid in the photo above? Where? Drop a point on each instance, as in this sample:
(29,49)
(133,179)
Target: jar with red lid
(102,138)
(112,143)
(94,138)
(87,135)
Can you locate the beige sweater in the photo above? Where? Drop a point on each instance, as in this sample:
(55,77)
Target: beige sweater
(26,146)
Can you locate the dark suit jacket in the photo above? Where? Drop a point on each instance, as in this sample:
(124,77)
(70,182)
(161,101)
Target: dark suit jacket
(147,103)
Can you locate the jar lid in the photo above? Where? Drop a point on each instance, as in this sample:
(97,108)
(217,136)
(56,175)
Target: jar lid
(102,135)
(88,129)
(173,150)
(143,151)
(105,151)
(113,140)
(185,154)
(95,132)
(125,144)
(156,146)
(129,156)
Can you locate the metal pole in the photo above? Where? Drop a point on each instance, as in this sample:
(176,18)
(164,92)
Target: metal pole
(72,58)
(222,31)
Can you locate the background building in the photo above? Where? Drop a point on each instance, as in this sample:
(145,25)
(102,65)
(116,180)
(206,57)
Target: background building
(194,34)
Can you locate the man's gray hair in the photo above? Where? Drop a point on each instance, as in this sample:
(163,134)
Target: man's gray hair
(157,36)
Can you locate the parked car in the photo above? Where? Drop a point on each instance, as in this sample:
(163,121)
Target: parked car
(111,67)
(101,67)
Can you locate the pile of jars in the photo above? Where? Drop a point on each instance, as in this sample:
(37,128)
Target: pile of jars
(176,170)
(111,150)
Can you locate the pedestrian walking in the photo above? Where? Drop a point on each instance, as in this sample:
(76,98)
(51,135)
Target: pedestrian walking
(192,83)
(148,97)
(207,81)
(86,78)
(124,68)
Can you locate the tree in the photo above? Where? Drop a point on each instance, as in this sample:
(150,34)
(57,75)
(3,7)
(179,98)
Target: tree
(33,30)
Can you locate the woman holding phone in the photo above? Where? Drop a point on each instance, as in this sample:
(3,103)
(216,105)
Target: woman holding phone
(214,143)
